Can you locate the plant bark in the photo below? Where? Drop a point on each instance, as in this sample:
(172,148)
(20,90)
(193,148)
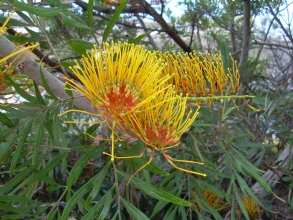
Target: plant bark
(246,32)
(33,69)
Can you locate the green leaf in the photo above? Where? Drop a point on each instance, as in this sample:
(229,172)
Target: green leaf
(79,166)
(183,213)
(114,19)
(88,186)
(100,178)
(138,162)
(170,214)
(251,170)
(5,120)
(25,17)
(38,94)
(39,11)
(89,13)
(37,142)
(11,184)
(75,198)
(107,205)
(74,21)
(4,151)
(158,193)
(13,198)
(245,188)
(79,46)
(42,175)
(21,91)
(45,84)
(133,211)
(23,134)
(137,39)
(92,213)
(223,45)
(158,207)
(242,207)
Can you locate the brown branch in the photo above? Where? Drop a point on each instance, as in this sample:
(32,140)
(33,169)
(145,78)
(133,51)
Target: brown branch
(109,10)
(45,58)
(265,38)
(151,40)
(192,31)
(287,33)
(29,65)
(164,25)
(273,45)
(144,8)
(246,32)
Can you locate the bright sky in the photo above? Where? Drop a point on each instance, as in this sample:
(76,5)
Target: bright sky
(286,16)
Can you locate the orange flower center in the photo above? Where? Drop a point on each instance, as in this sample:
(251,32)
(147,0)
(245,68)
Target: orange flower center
(120,100)
(159,136)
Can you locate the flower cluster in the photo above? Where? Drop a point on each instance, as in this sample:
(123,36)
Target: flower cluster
(253,209)
(145,95)
(201,75)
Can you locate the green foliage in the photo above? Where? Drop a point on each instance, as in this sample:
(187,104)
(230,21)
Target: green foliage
(114,19)
(50,169)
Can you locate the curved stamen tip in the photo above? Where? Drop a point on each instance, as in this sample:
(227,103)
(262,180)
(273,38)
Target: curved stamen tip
(170,160)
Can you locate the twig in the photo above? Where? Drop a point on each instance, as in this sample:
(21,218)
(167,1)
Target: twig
(272,44)
(151,40)
(45,58)
(164,25)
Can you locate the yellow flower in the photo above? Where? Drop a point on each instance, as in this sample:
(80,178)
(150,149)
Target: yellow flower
(253,209)
(161,125)
(118,78)
(214,200)
(201,75)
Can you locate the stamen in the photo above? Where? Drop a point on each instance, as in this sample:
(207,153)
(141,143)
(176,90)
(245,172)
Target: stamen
(140,169)
(182,169)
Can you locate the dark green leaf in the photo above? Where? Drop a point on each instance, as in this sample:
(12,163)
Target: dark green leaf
(5,120)
(72,21)
(89,13)
(37,143)
(107,205)
(40,11)
(85,188)
(137,39)
(242,206)
(100,178)
(38,94)
(21,91)
(133,211)
(80,46)
(79,166)
(158,193)
(114,19)
(45,84)
(11,184)
(23,134)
